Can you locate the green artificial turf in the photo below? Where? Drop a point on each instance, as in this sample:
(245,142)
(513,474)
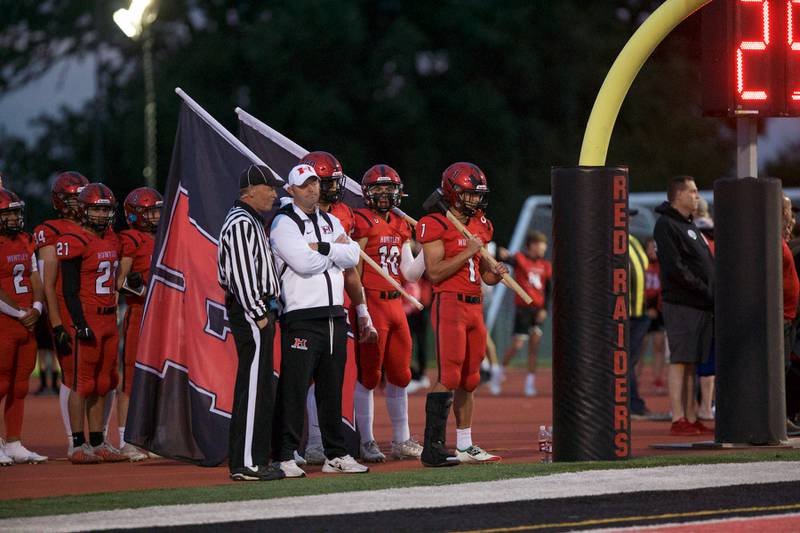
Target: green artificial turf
(342,483)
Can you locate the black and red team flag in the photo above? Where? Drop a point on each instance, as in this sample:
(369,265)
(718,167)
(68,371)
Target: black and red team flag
(281,154)
(186,362)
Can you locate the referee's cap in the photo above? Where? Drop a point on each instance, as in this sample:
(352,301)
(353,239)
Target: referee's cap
(301,174)
(258,175)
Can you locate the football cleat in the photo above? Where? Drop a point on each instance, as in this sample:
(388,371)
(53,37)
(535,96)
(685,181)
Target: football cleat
(315,455)
(83,455)
(475,454)
(409,449)
(371,452)
(108,454)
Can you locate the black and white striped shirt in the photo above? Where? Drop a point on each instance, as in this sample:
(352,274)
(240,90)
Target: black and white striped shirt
(245,267)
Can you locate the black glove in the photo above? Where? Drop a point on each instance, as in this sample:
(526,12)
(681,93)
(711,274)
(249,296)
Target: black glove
(134,280)
(83,332)
(62,339)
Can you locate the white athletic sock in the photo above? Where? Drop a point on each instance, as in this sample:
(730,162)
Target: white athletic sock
(63,403)
(314,434)
(121,436)
(397,405)
(530,381)
(365,412)
(463,438)
(108,406)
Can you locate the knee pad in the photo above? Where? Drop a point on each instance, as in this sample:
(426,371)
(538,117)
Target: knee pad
(450,379)
(399,378)
(86,388)
(470,382)
(20,389)
(370,379)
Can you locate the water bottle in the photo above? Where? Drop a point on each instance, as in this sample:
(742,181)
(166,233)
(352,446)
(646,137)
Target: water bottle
(543,439)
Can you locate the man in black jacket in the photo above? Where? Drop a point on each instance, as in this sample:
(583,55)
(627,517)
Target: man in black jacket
(687,281)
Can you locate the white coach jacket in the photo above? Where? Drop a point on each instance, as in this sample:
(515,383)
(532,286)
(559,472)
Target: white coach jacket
(312,282)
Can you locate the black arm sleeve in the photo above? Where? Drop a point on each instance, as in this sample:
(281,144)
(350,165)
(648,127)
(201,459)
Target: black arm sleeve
(71,279)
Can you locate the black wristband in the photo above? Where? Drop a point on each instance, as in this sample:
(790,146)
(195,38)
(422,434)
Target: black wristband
(324,248)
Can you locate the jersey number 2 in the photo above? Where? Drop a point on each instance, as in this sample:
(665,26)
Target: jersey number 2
(19,271)
(108,272)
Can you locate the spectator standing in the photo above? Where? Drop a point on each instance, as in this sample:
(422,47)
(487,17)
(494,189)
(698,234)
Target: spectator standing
(687,281)
(247,273)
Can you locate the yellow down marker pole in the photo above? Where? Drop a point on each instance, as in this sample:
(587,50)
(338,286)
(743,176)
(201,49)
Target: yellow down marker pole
(622,73)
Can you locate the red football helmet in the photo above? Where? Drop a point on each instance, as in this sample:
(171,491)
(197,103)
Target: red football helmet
(464,187)
(65,193)
(331,177)
(390,196)
(97,206)
(12,213)
(143,209)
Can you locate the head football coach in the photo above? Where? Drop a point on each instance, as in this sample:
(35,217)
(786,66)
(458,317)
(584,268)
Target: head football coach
(312,251)
(246,271)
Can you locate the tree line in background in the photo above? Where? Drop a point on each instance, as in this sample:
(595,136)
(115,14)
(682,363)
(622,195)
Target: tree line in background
(417,85)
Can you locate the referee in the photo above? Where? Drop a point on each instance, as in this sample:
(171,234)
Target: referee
(246,271)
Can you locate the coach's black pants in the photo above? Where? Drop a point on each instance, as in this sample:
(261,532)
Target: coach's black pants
(311,349)
(250,433)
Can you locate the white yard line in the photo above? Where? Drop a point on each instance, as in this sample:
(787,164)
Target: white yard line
(587,483)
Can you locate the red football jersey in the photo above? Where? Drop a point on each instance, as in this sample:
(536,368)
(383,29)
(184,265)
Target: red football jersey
(46,233)
(17,262)
(139,246)
(532,275)
(99,262)
(345,215)
(385,238)
(437,227)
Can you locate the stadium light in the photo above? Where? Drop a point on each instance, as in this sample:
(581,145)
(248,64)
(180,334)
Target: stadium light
(134,22)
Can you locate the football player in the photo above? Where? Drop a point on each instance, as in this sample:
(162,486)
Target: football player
(385,237)
(331,192)
(455,267)
(89,260)
(21,298)
(142,213)
(64,194)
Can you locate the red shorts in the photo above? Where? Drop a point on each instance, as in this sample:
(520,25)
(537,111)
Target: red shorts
(96,361)
(17,359)
(130,335)
(393,350)
(460,341)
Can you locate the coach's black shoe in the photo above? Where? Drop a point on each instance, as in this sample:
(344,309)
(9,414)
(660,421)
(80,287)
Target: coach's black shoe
(434,451)
(259,473)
